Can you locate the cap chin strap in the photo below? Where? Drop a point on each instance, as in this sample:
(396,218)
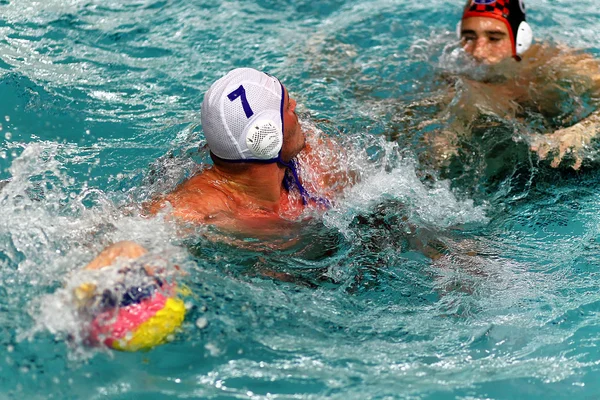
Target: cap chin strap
(294,180)
(290,180)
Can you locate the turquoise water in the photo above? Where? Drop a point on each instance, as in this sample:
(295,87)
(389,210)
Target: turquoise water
(100,103)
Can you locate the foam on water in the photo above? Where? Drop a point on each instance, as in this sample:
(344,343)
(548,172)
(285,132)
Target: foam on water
(54,226)
(394,177)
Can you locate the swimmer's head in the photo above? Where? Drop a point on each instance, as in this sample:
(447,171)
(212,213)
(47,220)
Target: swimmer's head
(243,117)
(493,30)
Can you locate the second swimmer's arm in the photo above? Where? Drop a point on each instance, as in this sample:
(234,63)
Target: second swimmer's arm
(574,140)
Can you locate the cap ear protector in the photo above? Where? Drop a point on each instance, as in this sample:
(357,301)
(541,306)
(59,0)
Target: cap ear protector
(264,138)
(511,12)
(524,38)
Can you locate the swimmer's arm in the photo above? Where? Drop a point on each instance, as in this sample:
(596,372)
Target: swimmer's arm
(330,163)
(443,144)
(573,140)
(456,117)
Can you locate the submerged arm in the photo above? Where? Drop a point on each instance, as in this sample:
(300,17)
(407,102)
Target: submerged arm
(575,139)
(441,147)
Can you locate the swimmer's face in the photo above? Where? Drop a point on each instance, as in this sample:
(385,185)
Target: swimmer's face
(486,39)
(293,137)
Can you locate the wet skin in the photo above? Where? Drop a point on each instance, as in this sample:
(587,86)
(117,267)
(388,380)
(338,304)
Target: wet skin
(486,39)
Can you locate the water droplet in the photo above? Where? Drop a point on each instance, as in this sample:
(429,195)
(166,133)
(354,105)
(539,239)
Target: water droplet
(7,118)
(8,135)
(72,195)
(87,131)
(201,323)
(10,348)
(2,154)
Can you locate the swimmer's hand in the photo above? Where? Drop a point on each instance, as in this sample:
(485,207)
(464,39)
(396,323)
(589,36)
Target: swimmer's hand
(329,163)
(442,147)
(124,249)
(84,294)
(573,141)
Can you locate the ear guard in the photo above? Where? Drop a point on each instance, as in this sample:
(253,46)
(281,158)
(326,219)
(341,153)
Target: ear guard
(524,38)
(264,137)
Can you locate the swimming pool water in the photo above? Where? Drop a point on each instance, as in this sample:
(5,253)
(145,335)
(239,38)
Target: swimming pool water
(100,103)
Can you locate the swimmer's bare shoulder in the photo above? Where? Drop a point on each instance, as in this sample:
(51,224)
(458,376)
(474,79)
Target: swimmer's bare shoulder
(562,61)
(542,52)
(197,200)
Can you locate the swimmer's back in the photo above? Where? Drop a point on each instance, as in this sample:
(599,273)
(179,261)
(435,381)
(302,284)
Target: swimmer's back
(204,199)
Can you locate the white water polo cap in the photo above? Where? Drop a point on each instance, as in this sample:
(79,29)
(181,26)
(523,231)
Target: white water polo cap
(242,116)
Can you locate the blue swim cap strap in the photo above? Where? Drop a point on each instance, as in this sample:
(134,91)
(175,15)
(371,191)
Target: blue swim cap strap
(248,160)
(292,180)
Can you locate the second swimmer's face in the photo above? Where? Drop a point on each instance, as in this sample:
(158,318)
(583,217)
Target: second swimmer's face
(486,39)
(293,137)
